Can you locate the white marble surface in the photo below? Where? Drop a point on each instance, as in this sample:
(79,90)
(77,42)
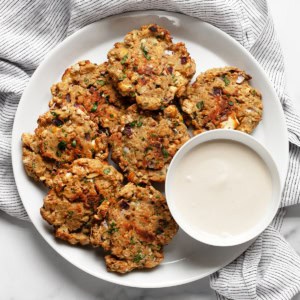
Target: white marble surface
(29,269)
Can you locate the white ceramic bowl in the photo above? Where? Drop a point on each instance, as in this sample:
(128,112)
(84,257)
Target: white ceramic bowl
(252,143)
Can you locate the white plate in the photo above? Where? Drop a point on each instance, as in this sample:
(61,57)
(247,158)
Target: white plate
(185,259)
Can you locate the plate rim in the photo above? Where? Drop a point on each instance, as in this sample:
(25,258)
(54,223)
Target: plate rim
(57,48)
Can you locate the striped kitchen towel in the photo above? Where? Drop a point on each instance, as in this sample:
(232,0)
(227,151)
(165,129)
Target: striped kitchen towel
(270,268)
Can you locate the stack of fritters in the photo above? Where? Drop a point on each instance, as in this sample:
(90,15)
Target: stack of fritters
(133,104)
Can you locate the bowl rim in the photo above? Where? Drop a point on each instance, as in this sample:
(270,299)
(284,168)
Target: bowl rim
(250,142)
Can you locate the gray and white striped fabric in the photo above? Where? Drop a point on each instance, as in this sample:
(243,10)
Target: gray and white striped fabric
(270,268)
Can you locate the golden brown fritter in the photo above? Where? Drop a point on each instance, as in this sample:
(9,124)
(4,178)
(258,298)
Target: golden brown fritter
(71,220)
(68,133)
(145,143)
(149,67)
(76,196)
(135,229)
(223,98)
(88,85)
(39,168)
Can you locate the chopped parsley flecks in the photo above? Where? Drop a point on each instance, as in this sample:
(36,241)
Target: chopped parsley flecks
(148,149)
(94,107)
(226,80)
(106,171)
(159,231)
(145,52)
(200,105)
(253,92)
(133,123)
(62,145)
(165,152)
(122,77)
(123,60)
(101,82)
(112,228)
(138,257)
(70,213)
(139,123)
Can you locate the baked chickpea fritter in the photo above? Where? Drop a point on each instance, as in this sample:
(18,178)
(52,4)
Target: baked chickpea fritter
(146,143)
(71,220)
(68,133)
(39,168)
(88,85)
(76,196)
(223,98)
(150,68)
(135,229)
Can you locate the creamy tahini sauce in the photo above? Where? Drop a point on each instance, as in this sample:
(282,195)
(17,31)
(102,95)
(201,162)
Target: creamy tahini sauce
(222,188)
